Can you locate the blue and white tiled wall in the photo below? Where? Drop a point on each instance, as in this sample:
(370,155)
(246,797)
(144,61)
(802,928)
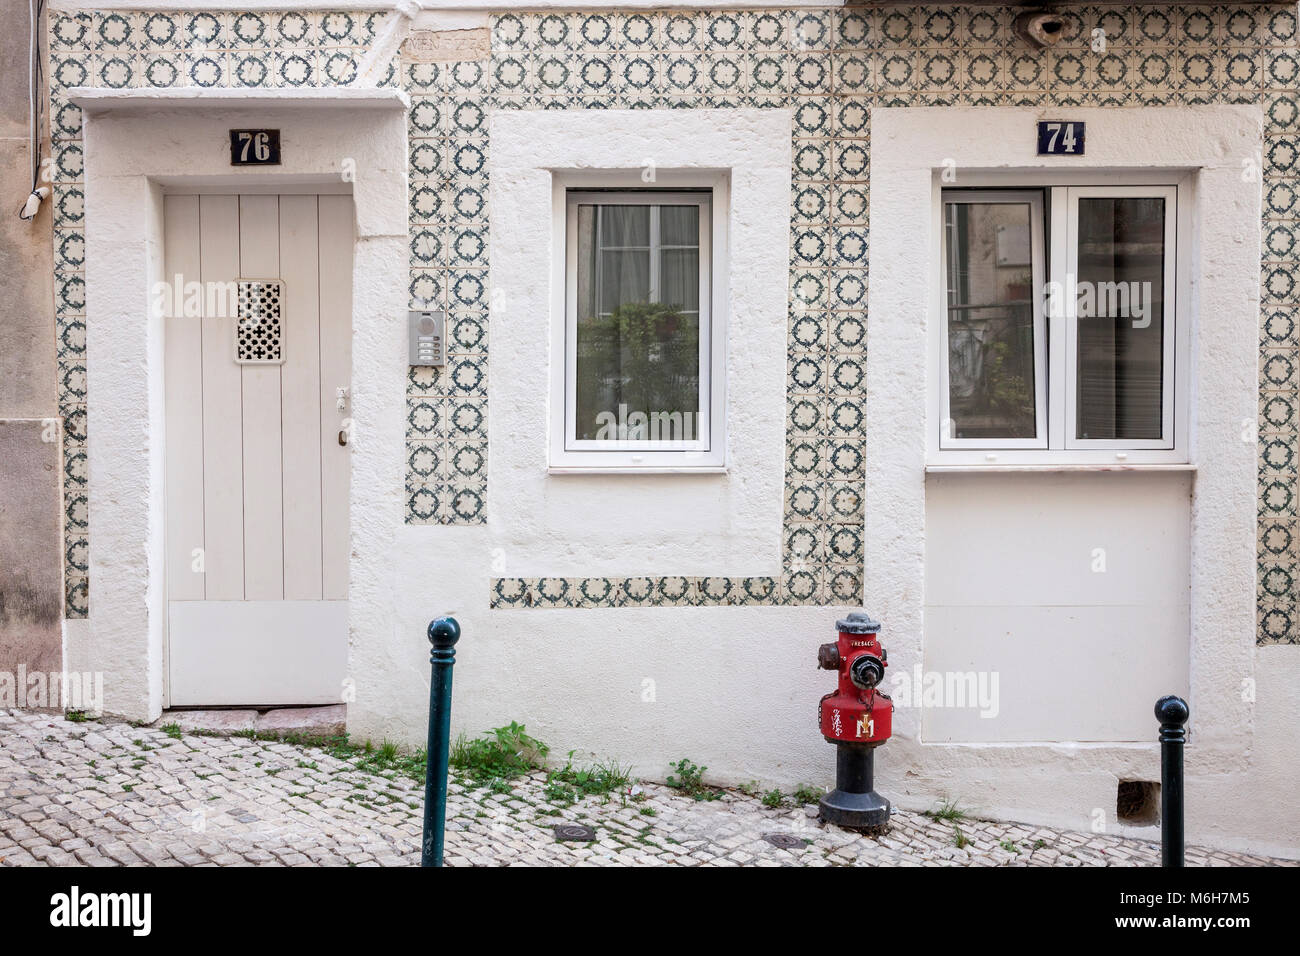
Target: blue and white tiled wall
(830,66)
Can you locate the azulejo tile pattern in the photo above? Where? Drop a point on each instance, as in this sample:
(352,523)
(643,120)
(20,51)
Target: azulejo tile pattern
(830,66)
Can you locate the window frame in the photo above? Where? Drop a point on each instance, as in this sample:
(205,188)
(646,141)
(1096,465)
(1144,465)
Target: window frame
(1055,184)
(1169,317)
(706,452)
(1038,274)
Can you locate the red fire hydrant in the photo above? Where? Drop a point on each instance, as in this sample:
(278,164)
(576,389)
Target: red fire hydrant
(857,718)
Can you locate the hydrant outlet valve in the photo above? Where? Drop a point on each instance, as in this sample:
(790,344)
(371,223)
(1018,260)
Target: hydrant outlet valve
(857,712)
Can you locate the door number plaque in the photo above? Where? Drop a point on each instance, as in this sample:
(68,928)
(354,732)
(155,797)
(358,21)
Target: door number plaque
(254,147)
(1060,138)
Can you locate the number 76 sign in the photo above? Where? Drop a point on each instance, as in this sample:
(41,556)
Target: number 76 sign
(254,147)
(1057,138)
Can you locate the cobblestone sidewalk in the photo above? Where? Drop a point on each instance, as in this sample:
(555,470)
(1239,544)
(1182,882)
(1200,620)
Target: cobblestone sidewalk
(110,793)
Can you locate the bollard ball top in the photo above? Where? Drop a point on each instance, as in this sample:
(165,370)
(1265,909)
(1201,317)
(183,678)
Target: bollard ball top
(444,632)
(1172,710)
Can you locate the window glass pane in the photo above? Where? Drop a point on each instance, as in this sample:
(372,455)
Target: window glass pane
(624,226)
(679,277)
(990,320)
(1121,318)
(679,225)
(624,277)
(638,334)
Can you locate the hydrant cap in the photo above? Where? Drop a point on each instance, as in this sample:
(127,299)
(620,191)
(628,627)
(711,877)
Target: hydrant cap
(858,623)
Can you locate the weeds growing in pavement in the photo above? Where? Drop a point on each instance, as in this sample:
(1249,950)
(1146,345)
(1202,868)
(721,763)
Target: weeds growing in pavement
(806,793)
(689,779)
(947,810)
(500,754)
(569,784)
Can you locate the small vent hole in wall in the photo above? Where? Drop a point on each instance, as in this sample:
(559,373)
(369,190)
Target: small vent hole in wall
(1137,802)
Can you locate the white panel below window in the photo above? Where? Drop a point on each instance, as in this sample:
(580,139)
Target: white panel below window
(1074,590)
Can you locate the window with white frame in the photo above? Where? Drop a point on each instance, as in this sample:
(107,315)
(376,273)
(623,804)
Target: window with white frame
(1058,325)
(642,362)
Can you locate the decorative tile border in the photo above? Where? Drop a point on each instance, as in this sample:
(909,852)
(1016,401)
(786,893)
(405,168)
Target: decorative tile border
(830,66)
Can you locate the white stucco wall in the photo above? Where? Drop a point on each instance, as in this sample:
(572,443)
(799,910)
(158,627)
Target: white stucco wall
(136,143)
(733,687)
(591,525)
(1232,740)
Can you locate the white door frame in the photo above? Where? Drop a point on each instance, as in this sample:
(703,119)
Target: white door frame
(137,143)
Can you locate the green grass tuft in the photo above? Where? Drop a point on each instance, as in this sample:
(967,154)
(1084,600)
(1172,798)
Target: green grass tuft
(947,810)
(689,779)
(499,755)
(806,793)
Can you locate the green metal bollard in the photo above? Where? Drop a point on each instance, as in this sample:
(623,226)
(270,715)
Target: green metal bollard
(443,635)
(1172,712)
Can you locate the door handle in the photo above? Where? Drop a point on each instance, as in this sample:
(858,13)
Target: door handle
(343,436)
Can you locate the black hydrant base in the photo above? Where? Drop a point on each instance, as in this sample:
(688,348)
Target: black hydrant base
(854,810)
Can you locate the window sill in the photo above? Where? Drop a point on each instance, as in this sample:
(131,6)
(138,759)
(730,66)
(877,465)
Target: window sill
(1059,468)
(637,470)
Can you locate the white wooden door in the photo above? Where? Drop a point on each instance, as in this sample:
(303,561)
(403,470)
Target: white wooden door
(257,342)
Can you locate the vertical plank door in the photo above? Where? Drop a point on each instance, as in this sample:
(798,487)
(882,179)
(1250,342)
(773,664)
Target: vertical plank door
(257,479)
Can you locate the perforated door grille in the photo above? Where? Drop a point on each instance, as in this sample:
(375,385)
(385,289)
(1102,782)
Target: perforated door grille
(259,331)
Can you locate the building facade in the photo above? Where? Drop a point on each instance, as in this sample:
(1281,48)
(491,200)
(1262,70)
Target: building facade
(984,323)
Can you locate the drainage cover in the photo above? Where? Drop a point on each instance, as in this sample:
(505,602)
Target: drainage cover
(784,841)
(574,833)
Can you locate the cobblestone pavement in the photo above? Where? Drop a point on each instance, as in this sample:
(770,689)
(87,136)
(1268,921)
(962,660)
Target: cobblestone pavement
(110,793)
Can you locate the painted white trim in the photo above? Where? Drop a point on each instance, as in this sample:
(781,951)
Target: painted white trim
(707,453)
(260,186)
(534,156)
(910,151)
(562,462)
(1049,469)
(1058,447)
(1059,451)
(131,151)
(94,100)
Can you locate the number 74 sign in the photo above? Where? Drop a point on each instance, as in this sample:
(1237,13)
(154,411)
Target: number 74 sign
(254,147)
(1057,138)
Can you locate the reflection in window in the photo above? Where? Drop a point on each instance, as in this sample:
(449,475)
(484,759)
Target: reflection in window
(990,314)
(638,322)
